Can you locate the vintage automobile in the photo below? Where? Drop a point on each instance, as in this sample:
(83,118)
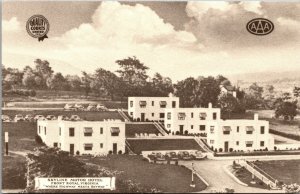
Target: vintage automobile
(5,118)
(79,106)
(92,107)
(101,107)
(18,118)
(70,107)
(39,117)
(171,156)
(29,118)
(197,155)
(62,117)
(74,118)
(51,117)
(159,157)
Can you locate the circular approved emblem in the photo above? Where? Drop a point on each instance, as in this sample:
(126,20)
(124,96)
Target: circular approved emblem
(37,26)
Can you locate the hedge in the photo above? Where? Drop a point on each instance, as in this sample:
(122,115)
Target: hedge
(287,135)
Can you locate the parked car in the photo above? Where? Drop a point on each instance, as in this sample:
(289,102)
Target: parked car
(18,118)
(75,118)
(51,117)
(79,106)
(197,155)
(39,117)
(70,107)
(92,107)
(152,155)
(184,155)
(101,107)
(160,157)
(171,156)
(29,118)
(5,118)
(62,117)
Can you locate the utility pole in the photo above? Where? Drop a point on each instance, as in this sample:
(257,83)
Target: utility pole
(193,183)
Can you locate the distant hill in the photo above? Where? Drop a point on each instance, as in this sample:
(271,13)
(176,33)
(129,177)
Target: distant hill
(282,81)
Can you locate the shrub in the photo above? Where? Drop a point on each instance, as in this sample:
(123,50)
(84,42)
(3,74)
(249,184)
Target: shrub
(39,140)
(138,119)
(230,149)
(186,132)
(110,152)
(77,153)
(220,150)
(216,150)
(120,152)
(177,133)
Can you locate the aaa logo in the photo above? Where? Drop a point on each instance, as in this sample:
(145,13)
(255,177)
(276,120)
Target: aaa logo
(260,26)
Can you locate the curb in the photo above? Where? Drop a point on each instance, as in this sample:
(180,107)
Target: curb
(225,168)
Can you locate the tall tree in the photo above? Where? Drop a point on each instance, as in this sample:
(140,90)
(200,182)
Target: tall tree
(228,104)
(188,92)
(86,83)
(209,91)
(162,86)
(28,79)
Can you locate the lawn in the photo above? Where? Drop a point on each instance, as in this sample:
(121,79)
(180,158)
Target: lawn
(86,115)
(286,171)
(21,135)
(139,145)
(132,129)
(13,172)
(167,178)
(246,177)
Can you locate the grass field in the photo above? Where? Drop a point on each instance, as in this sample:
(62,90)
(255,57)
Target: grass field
(13,172)
(168,178)
(287,171)
(21,135)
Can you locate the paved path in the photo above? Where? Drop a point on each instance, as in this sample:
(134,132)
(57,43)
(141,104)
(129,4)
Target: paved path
(212,171)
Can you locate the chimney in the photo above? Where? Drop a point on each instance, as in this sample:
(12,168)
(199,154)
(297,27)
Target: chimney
(210,105)
(170,95)
(256,116)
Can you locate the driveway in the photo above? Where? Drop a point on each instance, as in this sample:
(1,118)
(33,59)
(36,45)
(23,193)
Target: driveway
(212,171)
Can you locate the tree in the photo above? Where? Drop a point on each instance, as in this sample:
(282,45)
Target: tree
(188,92)
(253,97)
(286,109)
(43,70)
(28,79)
(228,104)
(56,82)
(106,82)
(12,80)
(223,80)
(296,91)
(209,90)
(132,70)
(161,86)
(52,162)
(74,82)
(86,83)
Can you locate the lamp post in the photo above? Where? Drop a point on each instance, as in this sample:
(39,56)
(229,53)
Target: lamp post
(6,143)
(193,183)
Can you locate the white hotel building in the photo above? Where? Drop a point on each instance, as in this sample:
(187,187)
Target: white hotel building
(151,108)
(190,120)
(83,137)
(246,135)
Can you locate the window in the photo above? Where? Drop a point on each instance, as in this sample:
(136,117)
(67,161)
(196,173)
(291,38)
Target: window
(169,125)
(163,104)
(88,146)
(88,131)
(173,104)
(202,127)
(131,113)
(249,132)
(143,104)
(45,130)
(192,126)
(55,144)
(262,144)
(59,131)
(262,130)
(101,145)
(237,129)
(249,129)
(59,144)
(169,116)
(71,132)
(114,131)
(249,144)
(226,132)
(211,141)
(212,129)
(39,129)
(161,115)
(192,115)
(131,103)
(214,116)
(237,143)
(152,103)
(202,116)
(181,116)
(101,130)
(152,114)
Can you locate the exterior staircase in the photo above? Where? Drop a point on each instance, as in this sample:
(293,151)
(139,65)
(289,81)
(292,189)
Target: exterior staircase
(202,144)
(130,152)
(123,115)
(160,128)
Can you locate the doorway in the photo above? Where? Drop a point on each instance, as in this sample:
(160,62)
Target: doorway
(115,148)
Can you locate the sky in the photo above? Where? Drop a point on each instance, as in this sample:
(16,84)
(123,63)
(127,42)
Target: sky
(176,39)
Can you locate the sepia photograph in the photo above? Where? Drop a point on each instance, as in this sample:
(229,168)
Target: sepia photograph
(150,96)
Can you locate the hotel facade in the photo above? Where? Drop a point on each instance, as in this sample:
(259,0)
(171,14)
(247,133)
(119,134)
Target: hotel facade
(151,108)
(83,137)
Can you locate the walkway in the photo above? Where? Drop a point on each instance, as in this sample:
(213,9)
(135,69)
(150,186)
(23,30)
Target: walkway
(212,171)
